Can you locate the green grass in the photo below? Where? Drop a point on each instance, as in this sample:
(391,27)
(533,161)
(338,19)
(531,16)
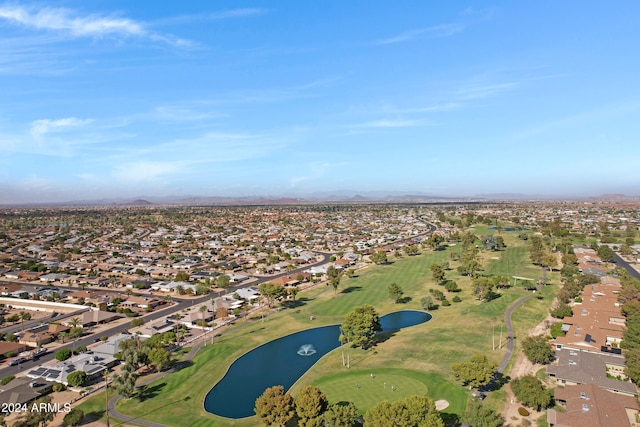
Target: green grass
(420,356)
(358,387)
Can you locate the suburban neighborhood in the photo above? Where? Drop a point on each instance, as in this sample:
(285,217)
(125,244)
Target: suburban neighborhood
(78,283)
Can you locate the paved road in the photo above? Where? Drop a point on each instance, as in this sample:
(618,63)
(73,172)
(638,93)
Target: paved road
(624,264)
(507,316)
(180,304)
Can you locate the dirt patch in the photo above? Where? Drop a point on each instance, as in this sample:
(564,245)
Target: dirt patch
(522,367)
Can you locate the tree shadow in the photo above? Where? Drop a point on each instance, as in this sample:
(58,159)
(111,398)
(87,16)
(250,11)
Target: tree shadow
(293,304)
(92,417)
(450,420)
(178,366)
(404,300)
(493,295)
(385,336)
(499,380)
(146,392)
(351,289)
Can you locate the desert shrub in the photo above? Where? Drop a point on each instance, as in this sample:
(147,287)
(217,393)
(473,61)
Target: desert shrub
(523,411)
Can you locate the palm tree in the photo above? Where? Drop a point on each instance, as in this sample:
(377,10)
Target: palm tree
(105,375)
(24,316)
(203,308)
(74,322)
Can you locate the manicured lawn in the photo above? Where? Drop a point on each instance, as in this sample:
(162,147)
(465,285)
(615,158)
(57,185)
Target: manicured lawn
(359,387)
(420,356)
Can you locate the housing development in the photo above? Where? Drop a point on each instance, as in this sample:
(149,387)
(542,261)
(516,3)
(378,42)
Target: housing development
(532,310)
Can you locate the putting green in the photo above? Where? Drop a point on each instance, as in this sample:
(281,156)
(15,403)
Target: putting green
(365,391)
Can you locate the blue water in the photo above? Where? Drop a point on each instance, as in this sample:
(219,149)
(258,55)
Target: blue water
(278,363)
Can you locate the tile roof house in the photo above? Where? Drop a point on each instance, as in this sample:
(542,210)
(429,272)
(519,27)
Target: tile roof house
(590,406)
(581,367)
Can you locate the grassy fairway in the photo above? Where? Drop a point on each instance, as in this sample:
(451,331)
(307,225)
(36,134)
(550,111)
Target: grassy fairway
(420,356)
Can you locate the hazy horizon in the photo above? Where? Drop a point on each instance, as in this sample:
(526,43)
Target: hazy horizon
(290,99)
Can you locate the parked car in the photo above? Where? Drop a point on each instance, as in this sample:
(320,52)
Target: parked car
(17,361)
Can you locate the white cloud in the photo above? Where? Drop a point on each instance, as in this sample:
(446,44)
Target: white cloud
(76,25)
(214,16)
(42,127)
(444,30)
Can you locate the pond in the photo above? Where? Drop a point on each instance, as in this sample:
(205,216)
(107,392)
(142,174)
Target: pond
(282,362)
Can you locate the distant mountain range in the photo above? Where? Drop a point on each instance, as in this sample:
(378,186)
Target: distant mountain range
(331,198)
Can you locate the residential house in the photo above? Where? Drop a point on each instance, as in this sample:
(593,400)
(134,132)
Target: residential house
(22,390)
(581,367)
(587,405)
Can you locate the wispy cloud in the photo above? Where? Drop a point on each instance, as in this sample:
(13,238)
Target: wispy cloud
(214,16)
(444,30)
(434,108)
(484,90)
(39,128)
(75,25)
(390,123)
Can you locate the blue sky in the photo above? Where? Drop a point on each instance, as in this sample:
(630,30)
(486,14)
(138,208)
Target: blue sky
(111,98)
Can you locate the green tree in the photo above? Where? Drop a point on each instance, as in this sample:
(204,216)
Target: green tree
(451,286)
(478,415)
(606,254)
(37,417)
(334,276)
(223,281)
(633,365)
(272,291)
(427,303)
(537,349)
(360,326)
(341,414)
(395,292)
(379,257)
(125,382)
(160,358)
(556,330)
(137,322)
(411,250)
(74,417)
(531,392)
(24,316)
(310,405)
(412,411)
(63,354)
(275,406)
(437,273)
(182,277)
(202,289)
(77,378)
(434,241)
(490,242)
(561,311)
(483,288)
(477,372)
